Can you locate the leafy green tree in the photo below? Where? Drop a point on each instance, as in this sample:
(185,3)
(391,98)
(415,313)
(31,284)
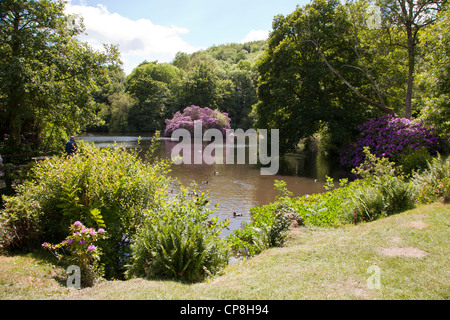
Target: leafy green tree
(47,75)
(151,96)
(201,87)
(297,92)
(155,89)
(120,105)
(410,16)
(242,96)
(435,76)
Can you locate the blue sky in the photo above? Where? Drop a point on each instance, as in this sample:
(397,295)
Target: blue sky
(157,30)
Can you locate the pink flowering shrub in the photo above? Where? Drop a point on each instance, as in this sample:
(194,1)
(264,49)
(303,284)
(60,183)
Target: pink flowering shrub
(80,249)
(392,138)
(185,120)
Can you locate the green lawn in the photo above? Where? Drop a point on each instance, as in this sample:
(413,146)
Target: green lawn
(405,256)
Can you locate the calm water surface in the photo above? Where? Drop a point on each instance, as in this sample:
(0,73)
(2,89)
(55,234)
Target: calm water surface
(235,187)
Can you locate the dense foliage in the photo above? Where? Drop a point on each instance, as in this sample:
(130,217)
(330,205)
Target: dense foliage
(150,231)
(297,92)
(47,76)
(328,70)
(434,78)
(102,188)
(210,119)
(222,77)
(392,138)
(381,191)
(179,240)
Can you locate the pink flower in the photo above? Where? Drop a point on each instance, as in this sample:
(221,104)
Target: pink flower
(78,223)
(91,247)
(82,241)
(92,232)
(101,230)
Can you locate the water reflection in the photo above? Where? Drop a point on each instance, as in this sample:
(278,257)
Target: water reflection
(234,187)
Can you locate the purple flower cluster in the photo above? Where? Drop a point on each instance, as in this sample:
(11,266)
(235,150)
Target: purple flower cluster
(390,137)
(185,120)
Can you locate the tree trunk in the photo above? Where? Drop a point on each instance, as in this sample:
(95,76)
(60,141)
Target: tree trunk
(411,65)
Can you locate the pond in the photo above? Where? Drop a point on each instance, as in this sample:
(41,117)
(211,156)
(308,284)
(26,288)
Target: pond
(235,187)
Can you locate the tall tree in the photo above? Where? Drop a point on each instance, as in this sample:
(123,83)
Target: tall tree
(297,92)
(155,87)
(46,73)
(411,16)
(435,75)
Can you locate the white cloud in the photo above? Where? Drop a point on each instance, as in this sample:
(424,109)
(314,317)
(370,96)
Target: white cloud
(255,35)
(138,40)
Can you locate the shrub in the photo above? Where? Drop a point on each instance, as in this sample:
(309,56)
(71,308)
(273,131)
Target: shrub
(108,188)
(391,138)
(185,120)
(434,182)
(268,228)
(414,160)
(176,241)
(387,196)
(368,204)
(81,251)
(382,192)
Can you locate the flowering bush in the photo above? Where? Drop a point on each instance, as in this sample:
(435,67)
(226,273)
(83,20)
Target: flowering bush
(185,120)
(104,188)
(391,138)
(82,250)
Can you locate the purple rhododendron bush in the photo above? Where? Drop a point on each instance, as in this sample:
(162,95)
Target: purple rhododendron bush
(392,138)
(211,119)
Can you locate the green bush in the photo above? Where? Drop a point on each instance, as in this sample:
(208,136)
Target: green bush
(268,228)
(102,188)
(373,199)
(382,191)
(414,160)
(177,241)
(434,182)
(368,204)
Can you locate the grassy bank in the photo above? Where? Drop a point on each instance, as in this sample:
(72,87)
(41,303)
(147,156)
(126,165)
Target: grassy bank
(407,252)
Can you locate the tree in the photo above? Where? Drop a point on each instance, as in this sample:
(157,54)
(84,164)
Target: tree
(201,87)
(411,16)
(297,93)
(46,74)
(155,88)
(120,104)
(151,96)
(242,96)
(406,17)
(435,75)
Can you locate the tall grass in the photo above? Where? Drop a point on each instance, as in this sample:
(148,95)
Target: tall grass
(434,182)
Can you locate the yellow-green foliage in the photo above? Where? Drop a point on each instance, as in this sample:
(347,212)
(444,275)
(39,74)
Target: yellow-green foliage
(107,188)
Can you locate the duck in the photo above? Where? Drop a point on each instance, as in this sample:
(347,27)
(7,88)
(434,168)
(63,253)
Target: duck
(216,173)
(205,182)
(237,214)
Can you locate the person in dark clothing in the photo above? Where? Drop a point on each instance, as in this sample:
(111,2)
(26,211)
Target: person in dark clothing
(71,146)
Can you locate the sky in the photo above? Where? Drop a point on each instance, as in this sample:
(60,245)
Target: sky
(156,30)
